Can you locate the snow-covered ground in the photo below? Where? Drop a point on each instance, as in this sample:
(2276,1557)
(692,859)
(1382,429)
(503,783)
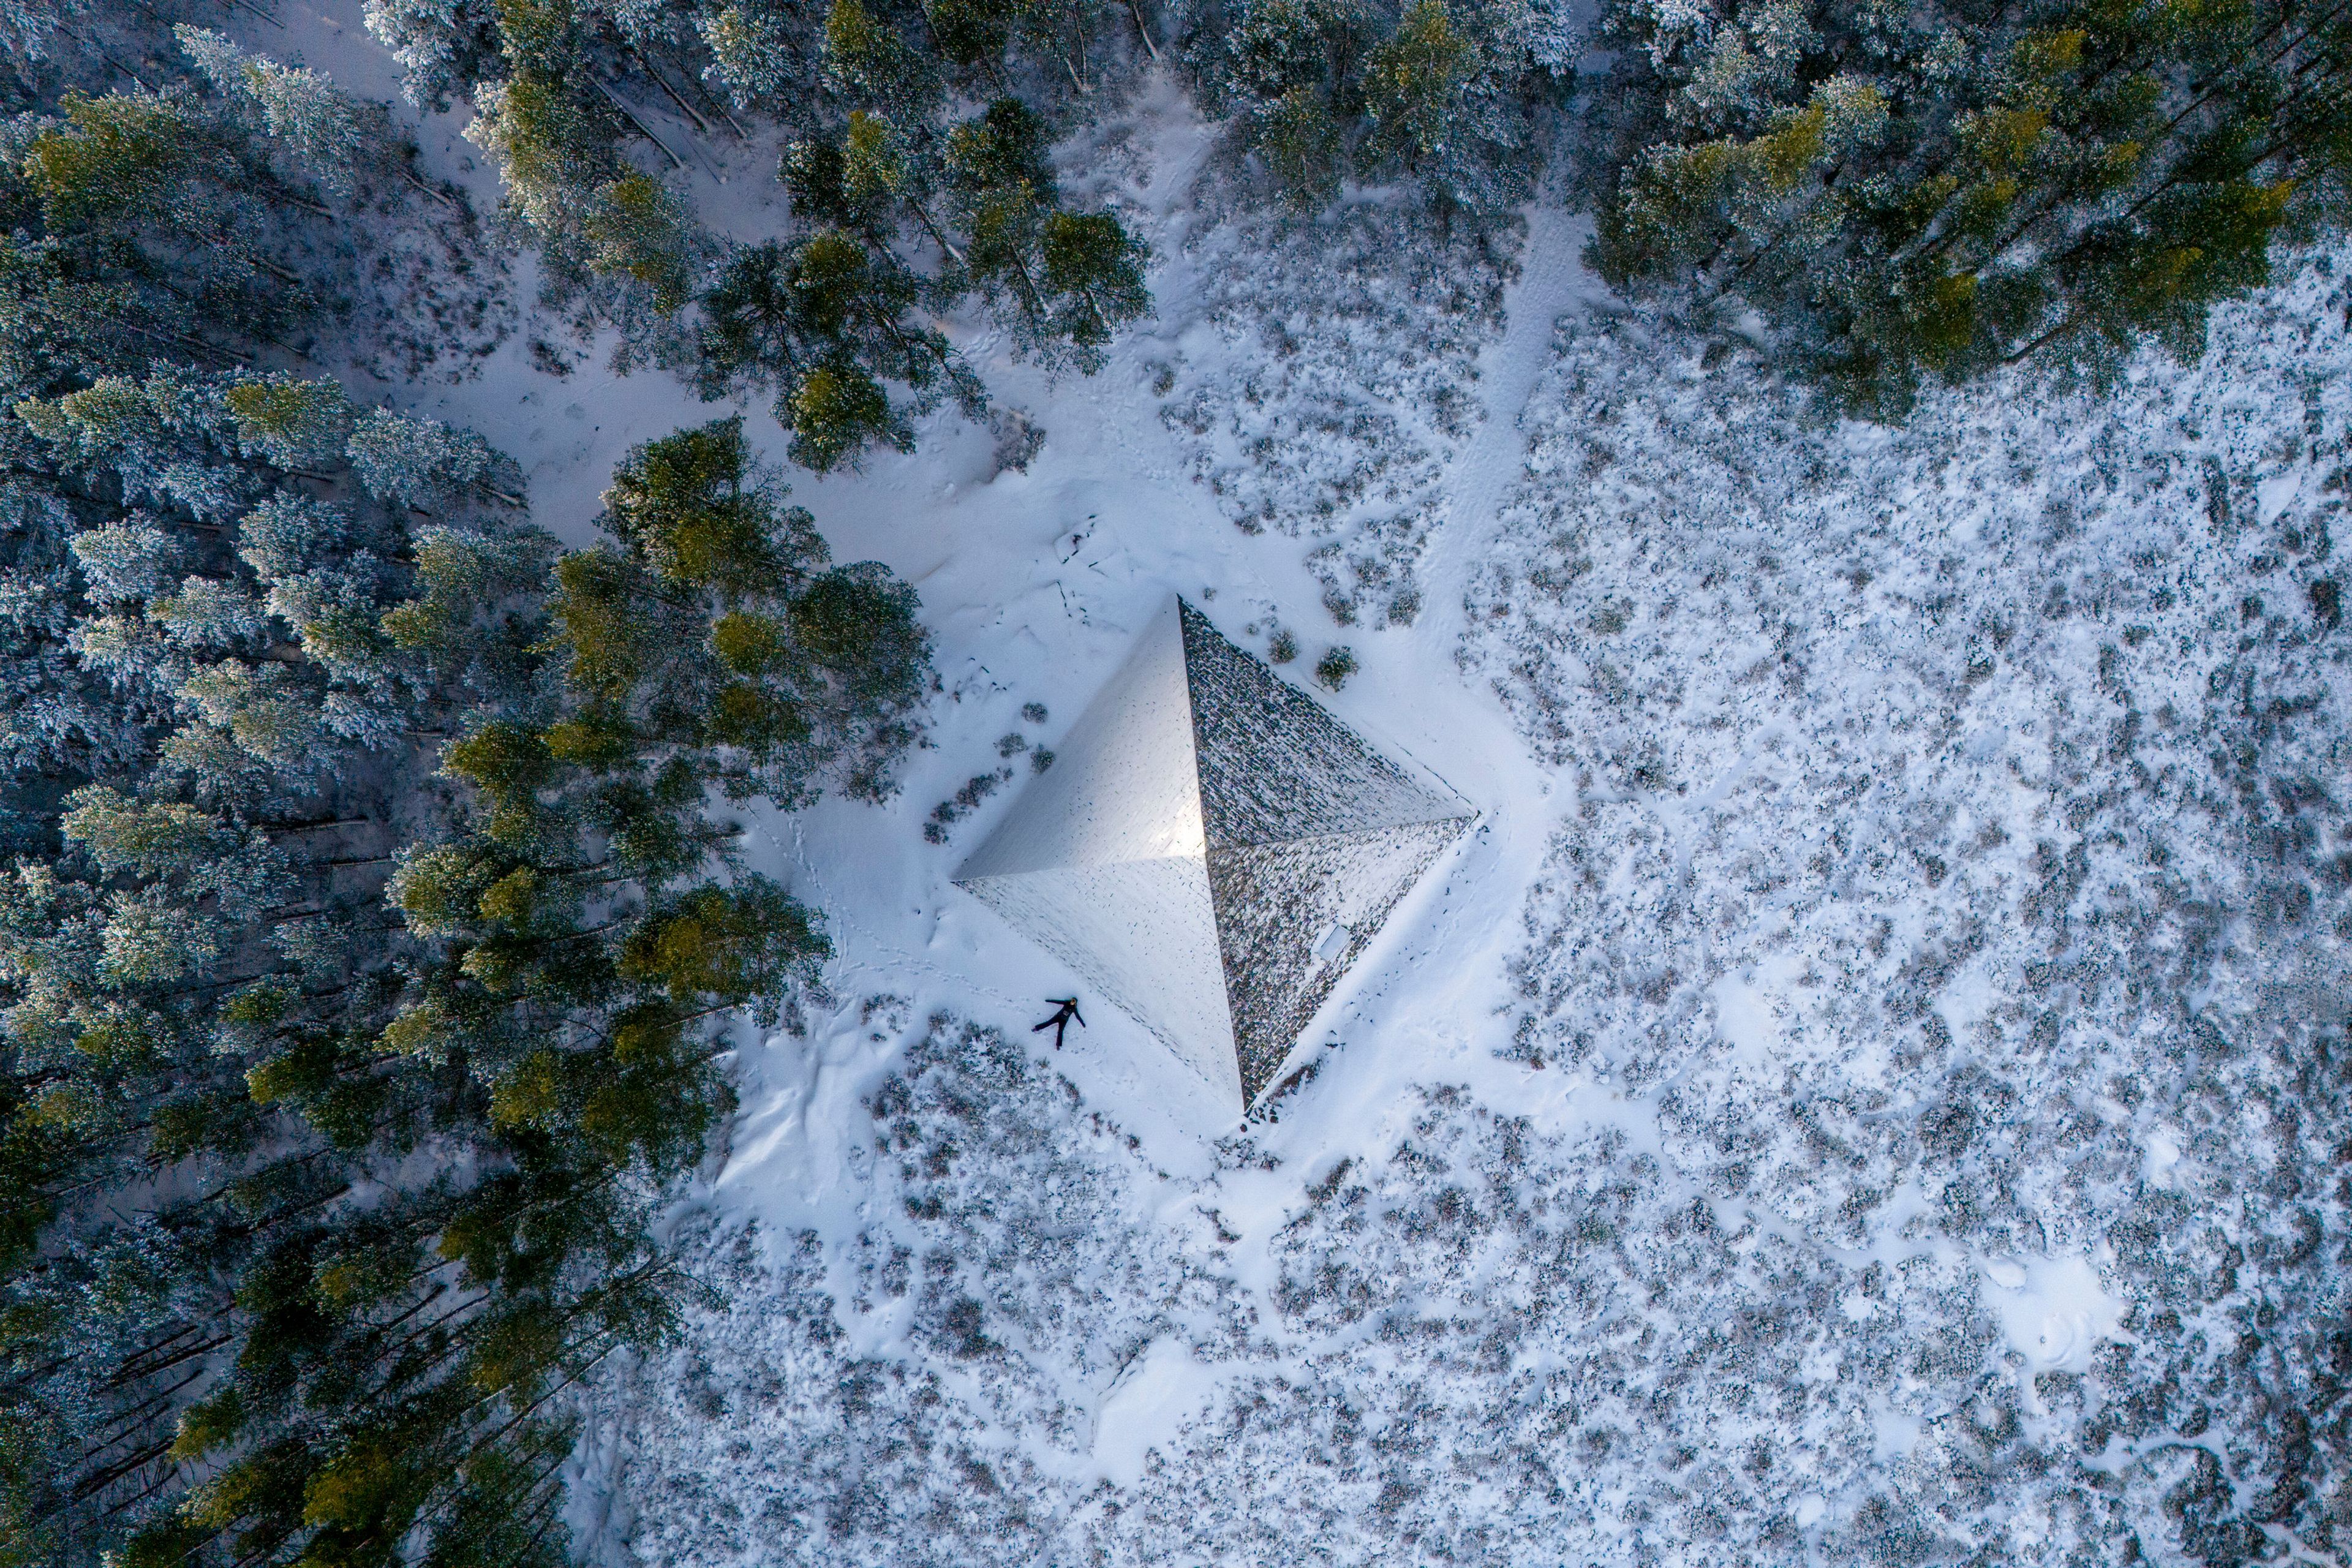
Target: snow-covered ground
(1873,1088)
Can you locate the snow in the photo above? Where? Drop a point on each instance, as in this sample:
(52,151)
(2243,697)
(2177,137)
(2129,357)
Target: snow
(2053,1310)
(1745,1018)
(1160,1391)
(1871,1088)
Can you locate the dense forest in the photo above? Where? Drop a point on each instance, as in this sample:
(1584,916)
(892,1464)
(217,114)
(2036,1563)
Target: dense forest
(1927,194)
(371,926)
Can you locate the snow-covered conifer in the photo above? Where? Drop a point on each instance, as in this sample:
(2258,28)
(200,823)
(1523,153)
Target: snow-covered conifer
(149,938)
(266,709)
(289,533)
(212,765)
(26,27)
(414,462)
(1942,192)
(752,54)
(335,611)
(639,230)
(1299,139)
(292,422)
(114,158)
(153,838)
(1415,82)
(206,613)
(316,120)
(464,578)
(434,40)
(132,559)
(129,654)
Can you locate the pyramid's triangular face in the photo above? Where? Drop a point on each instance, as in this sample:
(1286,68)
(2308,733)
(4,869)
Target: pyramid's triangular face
(1274,767)
(1211,850)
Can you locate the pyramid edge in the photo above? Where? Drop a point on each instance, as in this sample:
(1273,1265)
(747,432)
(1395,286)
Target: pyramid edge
(963,876)
(1346,966)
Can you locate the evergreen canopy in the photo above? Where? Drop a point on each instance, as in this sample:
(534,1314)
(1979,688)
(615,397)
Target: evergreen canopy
(366,942)
(1936,190)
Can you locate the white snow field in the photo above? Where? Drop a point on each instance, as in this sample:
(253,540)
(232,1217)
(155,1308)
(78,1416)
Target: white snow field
(1871,1089)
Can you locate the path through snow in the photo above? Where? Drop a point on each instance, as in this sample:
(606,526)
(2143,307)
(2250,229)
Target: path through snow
(1553,281)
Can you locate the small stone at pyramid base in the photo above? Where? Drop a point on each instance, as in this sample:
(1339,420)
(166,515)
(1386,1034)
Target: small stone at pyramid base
(1211,851)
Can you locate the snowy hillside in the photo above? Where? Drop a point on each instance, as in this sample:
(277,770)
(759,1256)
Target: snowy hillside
(1872,1087)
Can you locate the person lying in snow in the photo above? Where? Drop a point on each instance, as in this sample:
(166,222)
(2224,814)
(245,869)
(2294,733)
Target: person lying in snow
(1064,1009)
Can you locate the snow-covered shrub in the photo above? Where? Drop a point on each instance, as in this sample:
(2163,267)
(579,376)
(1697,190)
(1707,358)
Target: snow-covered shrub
(1956,869)
(1338,423)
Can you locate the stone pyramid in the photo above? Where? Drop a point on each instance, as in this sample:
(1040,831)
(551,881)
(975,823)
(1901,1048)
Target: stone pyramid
(1211,850)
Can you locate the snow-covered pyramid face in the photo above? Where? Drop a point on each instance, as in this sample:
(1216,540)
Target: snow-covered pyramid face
(1211,850)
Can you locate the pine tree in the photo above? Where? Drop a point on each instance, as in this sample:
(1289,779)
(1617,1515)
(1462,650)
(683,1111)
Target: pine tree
(895,223)
(1453,94)
(637,230)
(122,152)
(224,696)
(685,635)
(417,463)
(292,422)
(823,322)
(1298,137)
(149,225)
(1069,280)
(322,125)
(1413,84)
(192,973)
